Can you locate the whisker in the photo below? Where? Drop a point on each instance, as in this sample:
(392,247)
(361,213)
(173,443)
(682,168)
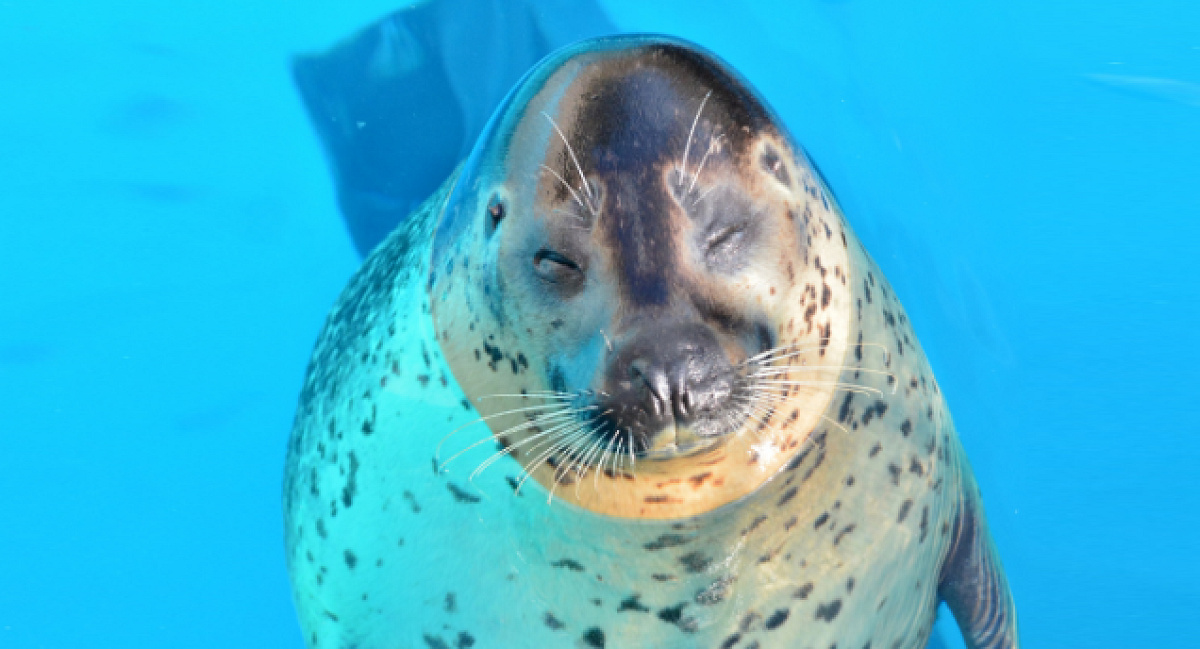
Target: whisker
(561,470)
(565,396)
(570,436)
(795,349)
(559,210)
(703,195)
(617,455)
(483,466)
(586,461)
(784,369)
(847,432)
(852,387)
(687,147)
(578,168)
(632,459)
(567,185)
(438,451)
(600,465)
(696,176)
(553,418)
(576,434)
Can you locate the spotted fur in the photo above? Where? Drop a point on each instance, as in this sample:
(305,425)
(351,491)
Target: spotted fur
(838,518)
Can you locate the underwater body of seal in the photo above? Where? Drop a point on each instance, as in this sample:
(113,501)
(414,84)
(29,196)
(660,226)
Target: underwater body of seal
(650,385)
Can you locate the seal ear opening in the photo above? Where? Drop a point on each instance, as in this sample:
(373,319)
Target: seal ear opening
(496,211)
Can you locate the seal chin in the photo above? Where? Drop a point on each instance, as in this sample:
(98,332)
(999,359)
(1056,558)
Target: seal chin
(681,442)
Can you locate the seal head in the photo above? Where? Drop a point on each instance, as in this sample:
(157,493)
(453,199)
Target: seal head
(625,247)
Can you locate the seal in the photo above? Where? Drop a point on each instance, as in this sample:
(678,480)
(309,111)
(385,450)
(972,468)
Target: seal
(628,379)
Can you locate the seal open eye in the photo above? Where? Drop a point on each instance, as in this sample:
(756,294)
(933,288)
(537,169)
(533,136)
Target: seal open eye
(553,267)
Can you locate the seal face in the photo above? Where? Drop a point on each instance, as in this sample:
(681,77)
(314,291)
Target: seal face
(646,255)
(636,296)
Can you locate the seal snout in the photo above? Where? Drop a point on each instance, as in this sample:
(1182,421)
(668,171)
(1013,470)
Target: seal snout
(671,389)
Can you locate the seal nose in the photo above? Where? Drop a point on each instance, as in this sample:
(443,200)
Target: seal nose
(677,380)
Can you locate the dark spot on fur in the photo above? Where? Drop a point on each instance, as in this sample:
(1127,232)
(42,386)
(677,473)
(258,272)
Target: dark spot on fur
(434,642)
(695,562)
(787,495)
(674,615)
(804,591)
(552,622)
(842,533)
(633,603)
(570,564)
(351,559)
(904,509)
(777,619)
(844,411)
(594,637)
(667,541)
(461,495)
(758,520)
(826,612)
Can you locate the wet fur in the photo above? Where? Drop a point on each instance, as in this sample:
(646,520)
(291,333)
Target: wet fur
(850,541)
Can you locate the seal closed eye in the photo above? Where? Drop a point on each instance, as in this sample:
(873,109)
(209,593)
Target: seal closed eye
(667,397)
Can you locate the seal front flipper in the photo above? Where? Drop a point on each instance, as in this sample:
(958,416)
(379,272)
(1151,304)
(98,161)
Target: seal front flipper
(399,104)
(974,586)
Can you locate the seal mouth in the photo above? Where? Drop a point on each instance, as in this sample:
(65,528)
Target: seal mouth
(655,428)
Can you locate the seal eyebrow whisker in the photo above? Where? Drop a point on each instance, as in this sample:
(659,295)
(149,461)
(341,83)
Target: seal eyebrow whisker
(583,179)
(607,342)
(688,146)
(703,195)
(712,144)
(566,184)
(559,210)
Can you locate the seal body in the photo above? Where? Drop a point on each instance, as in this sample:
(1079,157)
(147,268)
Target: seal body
(628,379)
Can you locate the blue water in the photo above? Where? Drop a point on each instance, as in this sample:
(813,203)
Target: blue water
(169,244)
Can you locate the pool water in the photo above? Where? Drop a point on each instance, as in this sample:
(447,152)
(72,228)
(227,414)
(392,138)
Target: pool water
(169,245)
